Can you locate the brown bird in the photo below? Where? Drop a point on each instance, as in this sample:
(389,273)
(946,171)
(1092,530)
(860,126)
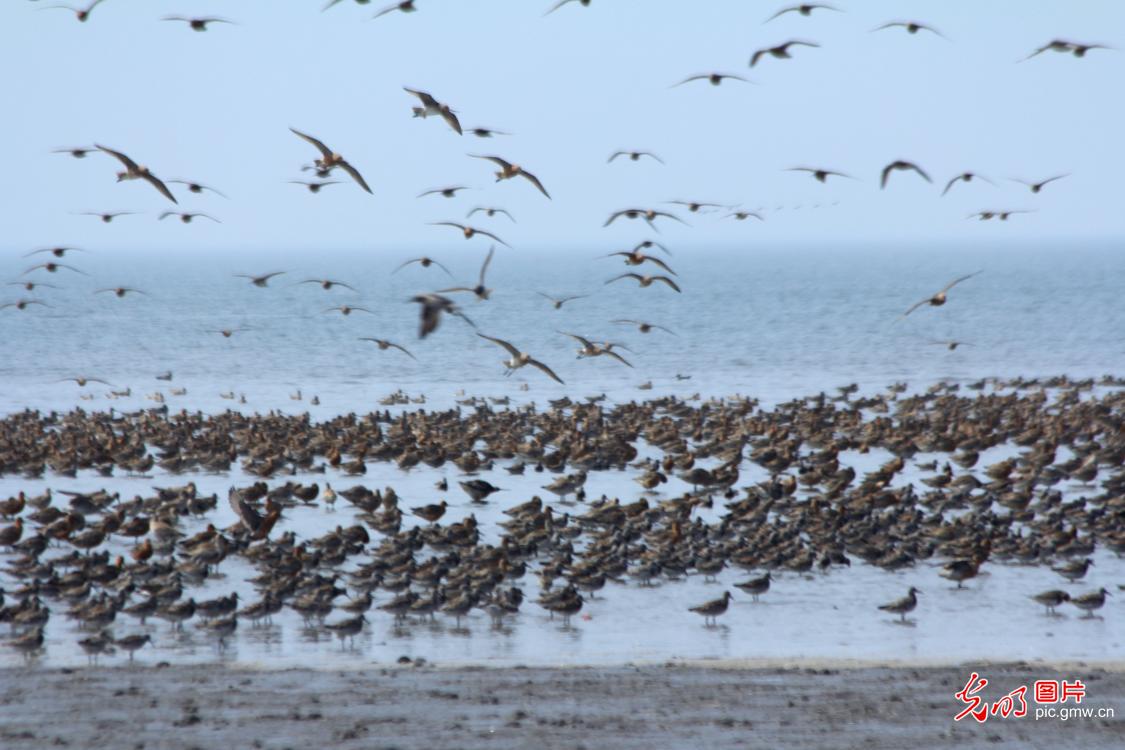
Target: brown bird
(805,9)
(384,345)
(53,267)
(912,27)
(197,24)
(347,310)
(425,262)
(260,281)
(939,299)
(433,305)
(712,609)
(645,281)
(78,152)
(644,327)
(82,14)
(1063,46)
(1037,186)
(431,513)
(58,252)
(228,332)
(445,192)
(648,214)
(196,187)
(490,212)
(901,166)
(634,156)
(486,132)
(520,359)
(820,175)
(328,284)
(509,170)
(108,216)
(329,159)
(431,106)
(469,232)
(186,216)
(781,51)
(121,291)
(480,290)
(23,303)
(314,187)
(83,381)
(744,215)
(713,78)
(965,177)
(558,302)
(406,6)
(134,171)
(636,258)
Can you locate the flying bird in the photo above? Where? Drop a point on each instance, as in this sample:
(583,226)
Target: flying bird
(650,215)
(646,244)
(23,303)
(121,291)
(107,216)
(196,187)
(781,51)
(695,207)
(78,152)
(480,290)
(259,281)
(509,170)
(645,281)
(82,14)
(558,302)
(384,345)
(1001,215)
(329,159)
(561,3)
(431,106)
(134,171)
(634,156)
(950,344)
(314,187)
(52,267)
(820,175)
(901,166)
(636,258)
(520,359)
(83,381)
(186,216)
(198,24)
(1063,46)
(58,252)
(1037,186)
(433,305)
(469,232)
(912,27)
(346,310)
(804,9)
(327,284)
(744,215)
(644,327)
(965,177)
(591,349)
(406,6)
(425,262)
(939,299)
(486,132)
(444,192)
(713,78)
(490,212)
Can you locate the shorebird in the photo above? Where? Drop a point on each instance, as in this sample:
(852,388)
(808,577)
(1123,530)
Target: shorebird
(134,171)
(132,643)
(259,281)
(478,489)
(82,14)
(805,9)
(198,24)
(1074,571)
(58,252)
(406,6)
(480,290)
(425,262)
(1001,215)
(901,606)
(820,175)
(695,207)
(53,267)
(650,215)
(781,51)
(939,299)
(23,303)
(187,216)
(645,281)
(509,170)
(197,188)
(960,570)
(96,645)
(712,609)
(29,644)
(634,156)
(31,285)
(348,628)
(1051,599)
(346,310)
(744,215)
(912,27)
(121,291)
(433,305)
(469,232)
(84,381)
(384,345)
(561,3)
(1037,186)
(329,159)
(328,284)
(78,152)
(636,258)
(431,513)
(951,344)
(490,212)
(486,132)
(558,302)
(445,192)
(965,177)
(107,216)
(431,106)
(900,166)
(646,244)
(520,359)
(1061,45)
(334,2)
(1091,601)
(314,187)
(756,586)
(644,327)
(228,332)
(592,349)
(713,78)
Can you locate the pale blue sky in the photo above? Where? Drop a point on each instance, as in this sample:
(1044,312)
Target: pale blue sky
(572,88)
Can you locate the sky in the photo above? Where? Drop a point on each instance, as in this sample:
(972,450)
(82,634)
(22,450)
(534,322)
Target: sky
(571,88)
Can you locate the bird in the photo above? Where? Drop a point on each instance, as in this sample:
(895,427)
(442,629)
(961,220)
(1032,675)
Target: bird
(781,51)
(636,258)
(744,215)
(756,586)
(469,232)
(520,359)
(58,252)
(1001,215)
(186,217)
(644,327)
(134,171)
(1037,186)
(314,187)
(433,305)
(406,6)
(561,3)
(480,132)
(901,606)
(712,609)
(912,27)
(53,267)
(346,310)
(1074,571)
(431,513)
(1063,46)
(480,290)
(951,344)
(22,304)
(1091,601)
(478,489)
(121,291)
(558,302)
(646,244)
(197,24)
(82,382)
(329,159)
(82,14)
(805,9)
(328,284)
(228,332)
(107,216)
(650,215)
(900,166)
(197,188)
(965,177)
(132,643)
(645,281)
(30,286)
(78,152)
(713,78)
(1051,599)
(938,299)
(384,345)
(509,171)
(490,212)
(634,156)
(259,281)
(694,207)
(431,106)
(445,192)
(425,262)
(820,175)
(591,349)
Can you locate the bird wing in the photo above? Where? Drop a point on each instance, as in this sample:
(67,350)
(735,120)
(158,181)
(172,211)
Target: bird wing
(660,263)
(535,181)
(757,56)
(615,155)
(250,517)
(449,117)
(491,235)
(691,78)
(584,341)
(919,170)
(957,281)
(950,184)
(615,355)
(324,150)
(544,368)
(427,100)
(355,175)
(495,160)
(886,173)
(614,216)
(487,261)
(636,276)
(915,306)
(129,163)
(667,281)
(156,183)
(781,12)
(402,349)
(511,349)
